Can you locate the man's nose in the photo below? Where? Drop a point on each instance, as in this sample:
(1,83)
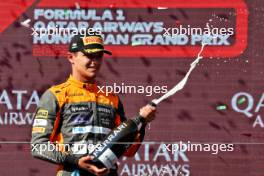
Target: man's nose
(94,62)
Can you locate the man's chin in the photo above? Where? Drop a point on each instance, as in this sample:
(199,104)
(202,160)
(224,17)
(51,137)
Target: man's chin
(91,75)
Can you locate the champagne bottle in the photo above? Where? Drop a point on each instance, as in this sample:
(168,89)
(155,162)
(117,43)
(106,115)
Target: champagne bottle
(116,143)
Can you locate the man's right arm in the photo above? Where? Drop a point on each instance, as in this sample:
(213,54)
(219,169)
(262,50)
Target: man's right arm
(45,124)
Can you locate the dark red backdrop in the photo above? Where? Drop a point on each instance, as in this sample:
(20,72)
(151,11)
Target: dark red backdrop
(190,115)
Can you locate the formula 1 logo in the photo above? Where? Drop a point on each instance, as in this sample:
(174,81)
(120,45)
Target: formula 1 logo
(152,17)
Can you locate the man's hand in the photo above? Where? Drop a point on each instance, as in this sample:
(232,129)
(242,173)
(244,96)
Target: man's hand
(84,164)
(148,113)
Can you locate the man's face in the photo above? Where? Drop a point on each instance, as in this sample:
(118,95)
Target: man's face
(86,65)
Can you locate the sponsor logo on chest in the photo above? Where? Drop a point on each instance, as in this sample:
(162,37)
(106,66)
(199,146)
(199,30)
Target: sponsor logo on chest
(104,110)
(80,108)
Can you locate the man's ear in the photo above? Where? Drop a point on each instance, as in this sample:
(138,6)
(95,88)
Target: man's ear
(70,57)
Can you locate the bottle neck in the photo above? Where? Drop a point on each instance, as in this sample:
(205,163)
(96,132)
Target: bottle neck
(139,119)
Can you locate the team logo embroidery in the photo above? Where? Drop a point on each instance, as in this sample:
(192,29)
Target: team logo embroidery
(38,130)
(80,108)
(91,40)
(42,113)
(40,122)
(82,119)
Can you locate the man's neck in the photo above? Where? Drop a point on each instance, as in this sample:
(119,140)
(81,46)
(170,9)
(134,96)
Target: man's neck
(83,79)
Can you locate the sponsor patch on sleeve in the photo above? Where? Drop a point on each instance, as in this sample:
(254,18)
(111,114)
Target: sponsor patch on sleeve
(40,122)
(38,130)
(42,114)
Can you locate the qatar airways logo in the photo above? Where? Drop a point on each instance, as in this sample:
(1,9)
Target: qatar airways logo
(246,104)
(17,106)
(155,160)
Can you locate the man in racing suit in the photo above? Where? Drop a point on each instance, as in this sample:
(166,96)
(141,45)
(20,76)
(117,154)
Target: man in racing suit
(75,115)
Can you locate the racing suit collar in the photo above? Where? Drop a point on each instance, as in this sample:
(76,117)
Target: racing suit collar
(77,83)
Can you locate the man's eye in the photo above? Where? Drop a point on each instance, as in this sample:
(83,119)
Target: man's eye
(88,55)
(94,56)
(98,57)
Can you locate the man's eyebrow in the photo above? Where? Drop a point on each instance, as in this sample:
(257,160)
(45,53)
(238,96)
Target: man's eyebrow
(91,55)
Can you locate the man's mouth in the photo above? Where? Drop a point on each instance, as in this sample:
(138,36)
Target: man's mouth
(92,68)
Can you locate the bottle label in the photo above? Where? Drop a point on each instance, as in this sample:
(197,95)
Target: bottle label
(108,158)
